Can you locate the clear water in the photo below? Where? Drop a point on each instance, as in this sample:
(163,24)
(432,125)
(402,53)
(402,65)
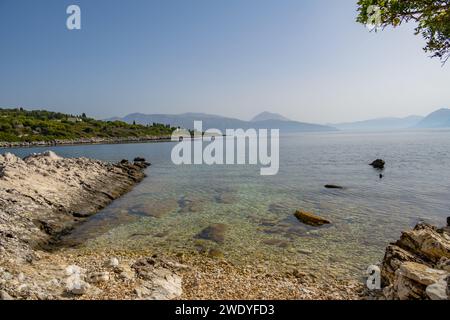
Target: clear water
(168,210)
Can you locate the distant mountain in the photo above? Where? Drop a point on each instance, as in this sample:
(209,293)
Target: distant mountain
(380,124)
(264,116)
(436,119)
(186,120)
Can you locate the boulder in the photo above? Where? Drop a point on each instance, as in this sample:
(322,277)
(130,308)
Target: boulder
(76,286)
(393,259)
(425,241)
(416,266)
(378,164)
(407,289)
(156,282)
(421,273)
(437,291)
(310,219)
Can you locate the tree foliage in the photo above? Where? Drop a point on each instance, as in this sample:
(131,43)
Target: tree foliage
(19,125)
(432,18)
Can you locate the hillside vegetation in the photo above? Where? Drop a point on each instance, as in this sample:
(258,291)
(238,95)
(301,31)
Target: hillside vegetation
(19,125)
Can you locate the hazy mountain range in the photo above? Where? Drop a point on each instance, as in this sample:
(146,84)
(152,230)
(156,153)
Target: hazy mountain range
(264,116)
(264,120)
(438,119)
(380,124)
(267,120)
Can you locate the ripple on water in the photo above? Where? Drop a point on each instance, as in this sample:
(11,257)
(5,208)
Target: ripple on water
(170,209)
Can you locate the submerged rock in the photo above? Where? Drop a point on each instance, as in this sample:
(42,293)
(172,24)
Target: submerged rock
(189,205)
(378,164)
(215,253)
(276,242)
(310,219)
(215,232)
(155,209)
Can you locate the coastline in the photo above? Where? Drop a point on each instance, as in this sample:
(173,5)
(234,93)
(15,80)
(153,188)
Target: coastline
(44,196)
(49,194)
(83,141)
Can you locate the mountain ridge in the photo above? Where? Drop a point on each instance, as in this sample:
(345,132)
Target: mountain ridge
(437,119)
(186,120)
(385,123)
(264,116)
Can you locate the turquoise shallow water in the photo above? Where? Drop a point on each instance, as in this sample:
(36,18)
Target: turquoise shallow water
(253,215)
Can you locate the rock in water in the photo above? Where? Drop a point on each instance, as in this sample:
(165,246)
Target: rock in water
(333,186)
(378,164)
(310,219)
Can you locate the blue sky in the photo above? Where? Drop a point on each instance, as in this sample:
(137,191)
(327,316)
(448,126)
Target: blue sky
(308,60)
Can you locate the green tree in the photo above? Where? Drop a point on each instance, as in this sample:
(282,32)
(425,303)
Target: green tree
(432,18)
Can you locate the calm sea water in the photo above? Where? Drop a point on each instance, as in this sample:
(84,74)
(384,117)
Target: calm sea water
(169,209)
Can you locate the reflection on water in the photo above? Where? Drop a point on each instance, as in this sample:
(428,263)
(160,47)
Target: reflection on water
(234,212)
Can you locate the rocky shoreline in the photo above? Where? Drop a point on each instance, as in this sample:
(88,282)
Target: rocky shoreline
(25,144)
(417,266)
(44,196)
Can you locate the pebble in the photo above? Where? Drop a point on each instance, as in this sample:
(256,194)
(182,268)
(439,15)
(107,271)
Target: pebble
(21,277)
(5,296)
(98,277)
(112,262)
(77,286)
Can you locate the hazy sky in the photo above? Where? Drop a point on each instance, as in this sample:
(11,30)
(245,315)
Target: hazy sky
(308,60)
